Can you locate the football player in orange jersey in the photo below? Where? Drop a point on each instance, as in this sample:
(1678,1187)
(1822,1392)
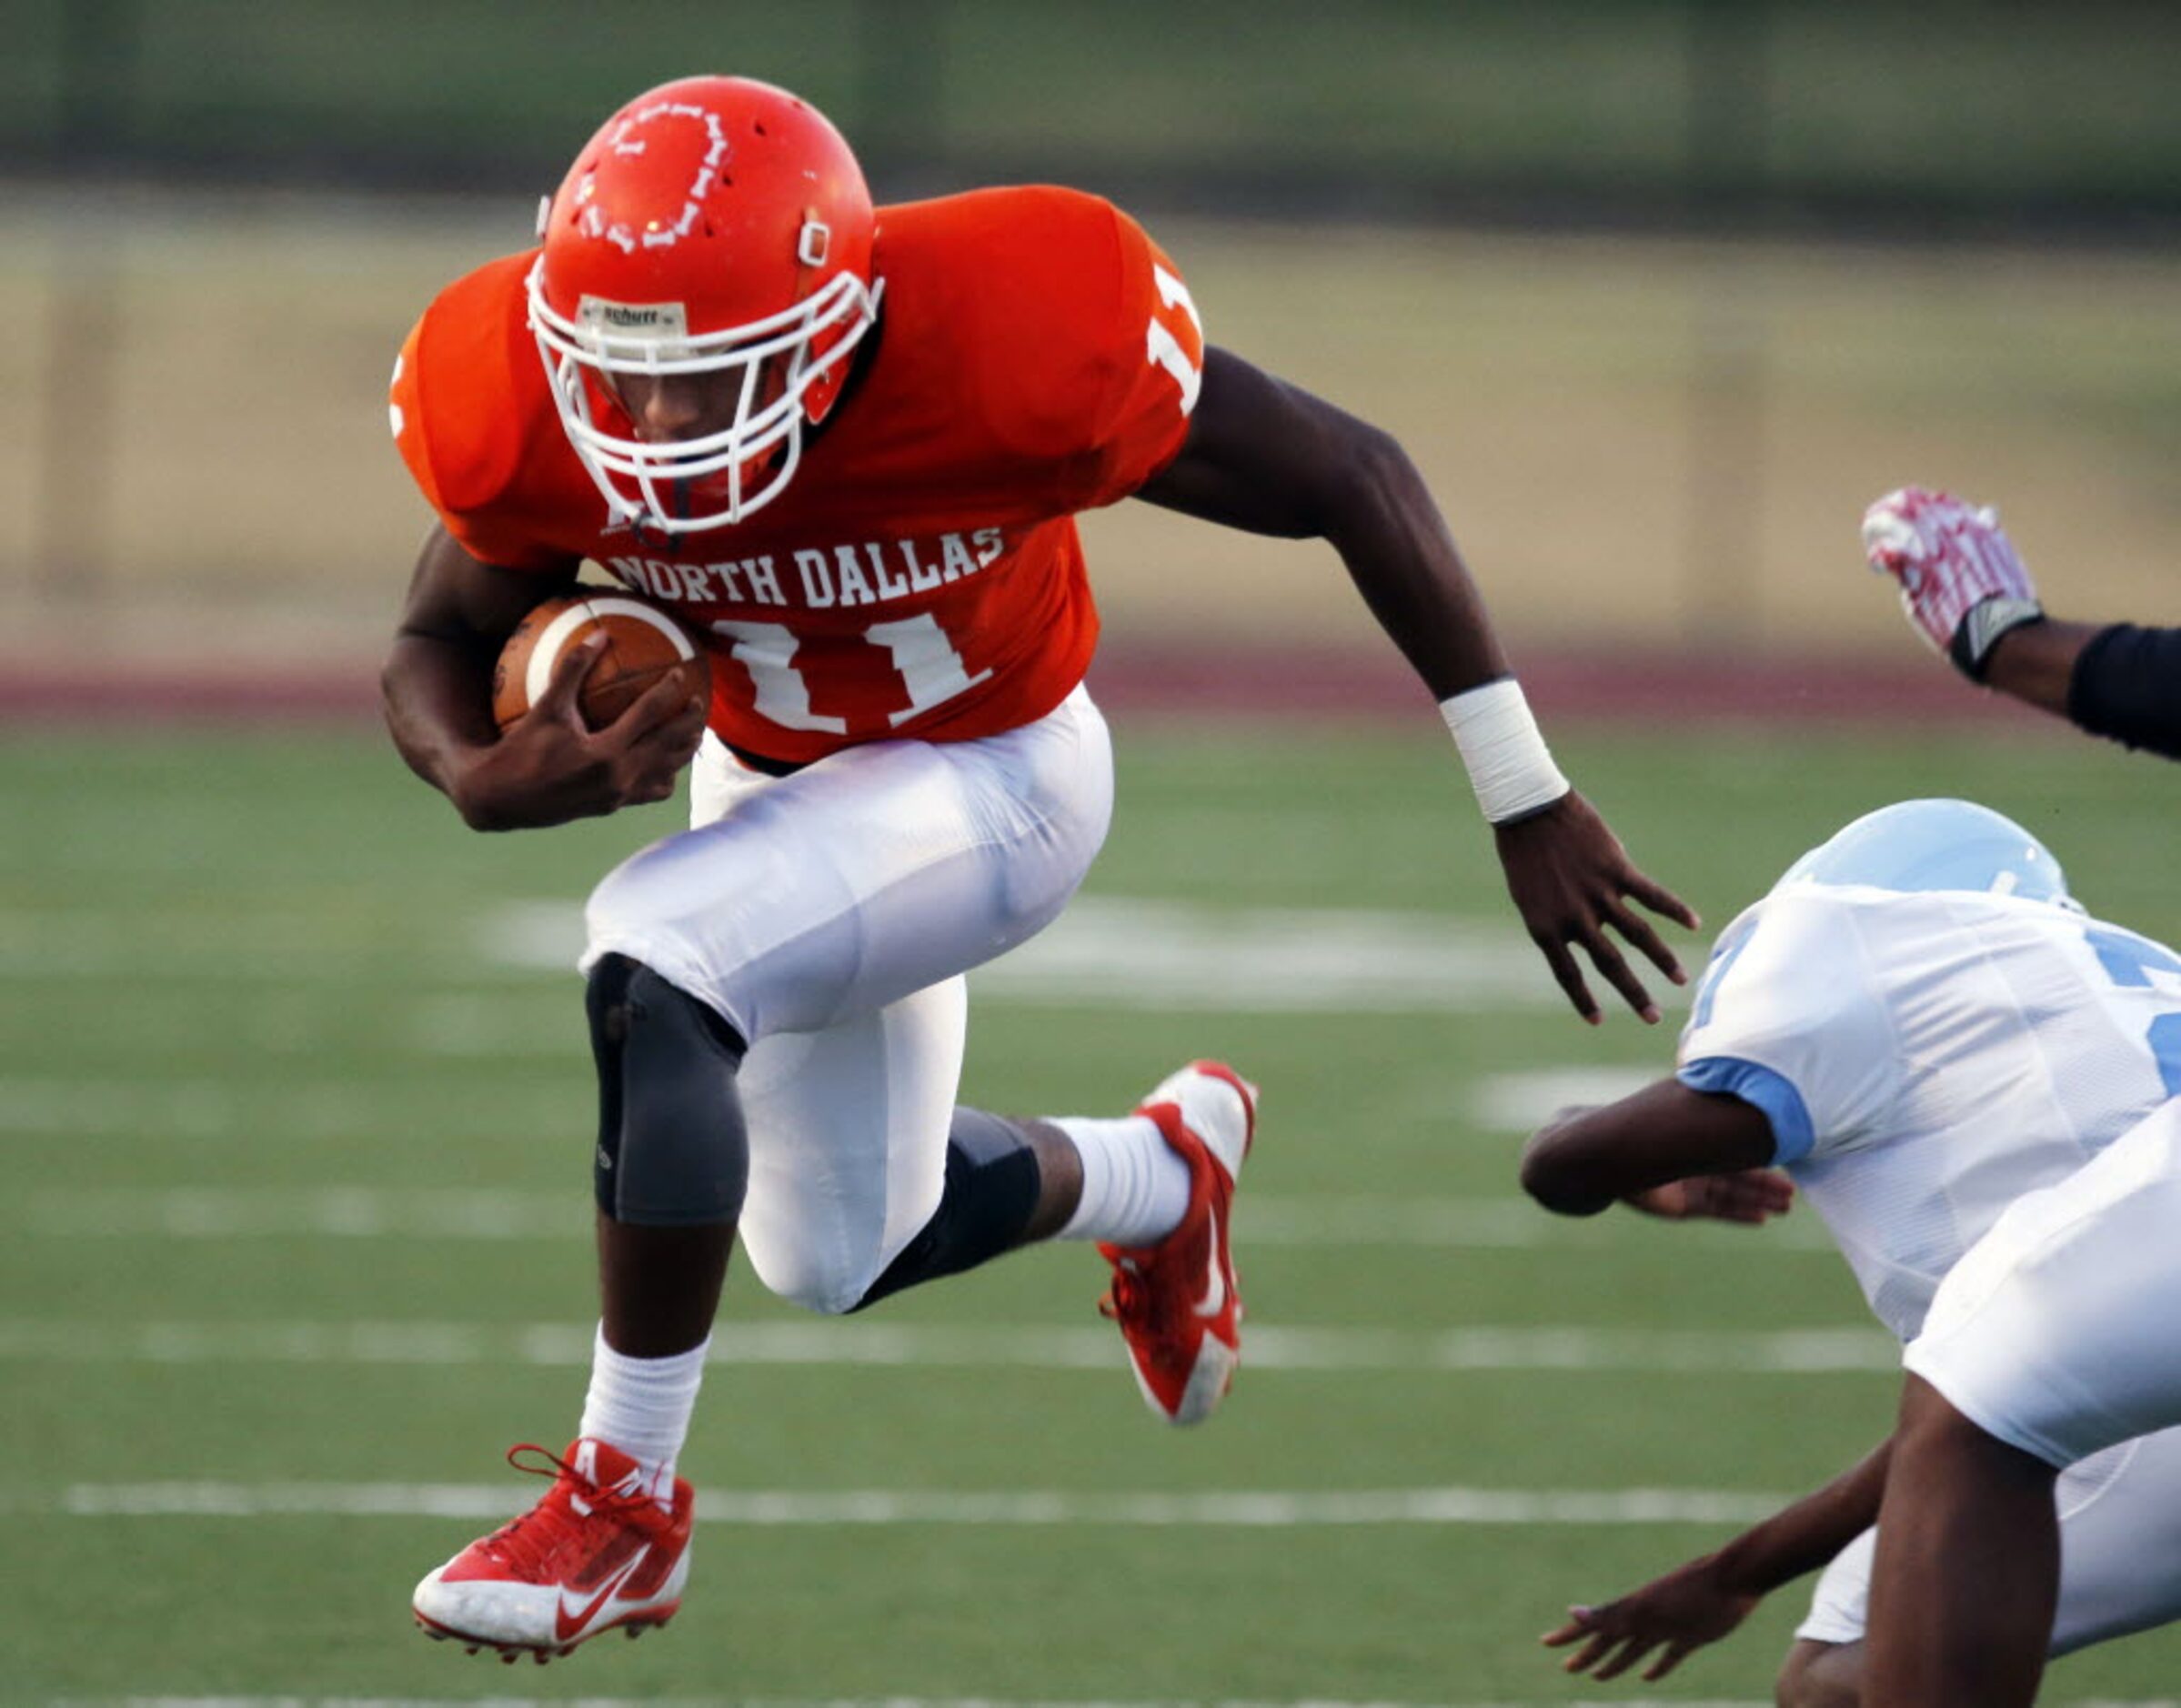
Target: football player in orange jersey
(848,445)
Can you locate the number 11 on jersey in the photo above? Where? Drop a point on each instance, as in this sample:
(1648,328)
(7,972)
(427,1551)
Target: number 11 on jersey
(1161,347)
(931,671)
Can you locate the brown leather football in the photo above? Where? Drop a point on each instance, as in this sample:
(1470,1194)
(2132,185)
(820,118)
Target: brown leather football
(643,643)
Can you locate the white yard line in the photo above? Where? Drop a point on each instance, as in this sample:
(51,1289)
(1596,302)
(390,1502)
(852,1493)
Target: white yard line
(490,1502)
(1578,1350)
(1519,1102)
(209,1107)
(93,945)
(1110,951)
(361,1213)
(312,1110)
(1104,951)
(343,1212)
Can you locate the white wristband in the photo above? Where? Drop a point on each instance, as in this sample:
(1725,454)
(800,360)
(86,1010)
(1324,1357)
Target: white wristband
(1509,765)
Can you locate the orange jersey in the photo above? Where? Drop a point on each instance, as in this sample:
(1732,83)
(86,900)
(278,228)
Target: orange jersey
(921,575)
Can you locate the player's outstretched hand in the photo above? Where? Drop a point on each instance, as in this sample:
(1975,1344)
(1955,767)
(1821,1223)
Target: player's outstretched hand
(1673,1615)
(1752,1196)
(1962,582)
(549,766)
(1571,879)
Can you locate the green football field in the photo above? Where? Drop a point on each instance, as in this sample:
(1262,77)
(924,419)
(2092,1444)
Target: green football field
(295,1243)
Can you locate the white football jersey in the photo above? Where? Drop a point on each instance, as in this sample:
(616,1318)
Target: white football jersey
(1926,1058)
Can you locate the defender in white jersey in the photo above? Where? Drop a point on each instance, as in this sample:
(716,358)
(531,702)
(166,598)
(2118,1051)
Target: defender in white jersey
(2051,1340)
(1919,1025)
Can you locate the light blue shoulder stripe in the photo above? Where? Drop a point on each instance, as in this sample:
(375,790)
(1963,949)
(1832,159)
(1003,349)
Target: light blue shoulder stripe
(1771,1093)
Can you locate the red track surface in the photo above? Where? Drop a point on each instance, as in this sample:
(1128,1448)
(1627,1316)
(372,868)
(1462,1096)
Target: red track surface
(1634,686)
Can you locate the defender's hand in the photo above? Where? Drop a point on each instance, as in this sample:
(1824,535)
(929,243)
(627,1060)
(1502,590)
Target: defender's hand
(1752,1196)
(1961,581)
(1571,879)
(548,767)
(1681,1611)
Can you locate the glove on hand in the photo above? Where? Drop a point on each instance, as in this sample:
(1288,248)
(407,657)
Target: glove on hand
(1960,582)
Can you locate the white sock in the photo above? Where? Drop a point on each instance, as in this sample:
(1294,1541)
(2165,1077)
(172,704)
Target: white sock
(643,1406)
(1135,1185)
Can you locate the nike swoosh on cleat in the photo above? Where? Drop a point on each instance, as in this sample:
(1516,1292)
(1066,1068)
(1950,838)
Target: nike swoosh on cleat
(1215,1286)
(567,1626)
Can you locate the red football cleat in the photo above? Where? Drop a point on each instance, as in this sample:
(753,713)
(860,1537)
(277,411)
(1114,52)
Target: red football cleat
(1176,1301)
(596,1552)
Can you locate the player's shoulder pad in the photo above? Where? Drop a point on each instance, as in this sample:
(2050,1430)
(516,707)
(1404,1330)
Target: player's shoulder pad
(1792,964)
(1040,294)
(1806,907)
(465,386)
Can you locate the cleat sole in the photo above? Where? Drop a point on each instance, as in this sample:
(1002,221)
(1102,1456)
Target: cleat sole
(511,1653)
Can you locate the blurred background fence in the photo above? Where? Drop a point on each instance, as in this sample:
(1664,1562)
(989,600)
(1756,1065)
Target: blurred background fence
(1658,291)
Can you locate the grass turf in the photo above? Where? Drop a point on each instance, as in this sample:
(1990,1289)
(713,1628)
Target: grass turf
(235,964)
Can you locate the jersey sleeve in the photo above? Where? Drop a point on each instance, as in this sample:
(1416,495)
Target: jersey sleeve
(420,396)
(1788,1020)
(1158,341)
(2126,686)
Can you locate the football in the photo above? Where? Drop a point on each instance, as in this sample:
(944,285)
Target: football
(643,643)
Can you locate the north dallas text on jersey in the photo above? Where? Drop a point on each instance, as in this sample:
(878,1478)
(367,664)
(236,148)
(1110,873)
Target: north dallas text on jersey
(867,572)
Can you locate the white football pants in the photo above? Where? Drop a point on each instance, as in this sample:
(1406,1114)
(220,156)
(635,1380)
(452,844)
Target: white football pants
(2055,1333)
(829,917)
(2120,1551)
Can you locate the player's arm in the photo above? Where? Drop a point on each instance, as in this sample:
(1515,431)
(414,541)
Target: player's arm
(2113,680)
(1706,1598)
(1965,588)
(1651,1141)
(2121,681)
(549,766)
(1268,457)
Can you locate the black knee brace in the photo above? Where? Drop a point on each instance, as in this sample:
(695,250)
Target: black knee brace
(991,1191)
(672,1149)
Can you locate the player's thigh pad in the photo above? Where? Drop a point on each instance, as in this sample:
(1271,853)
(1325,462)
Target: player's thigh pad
(847,1143)
(2120,1551)
(864,876)
(2055,1332)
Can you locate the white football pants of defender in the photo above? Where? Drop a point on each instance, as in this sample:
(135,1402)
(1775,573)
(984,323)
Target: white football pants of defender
(2055,1331)
(829,916)
(2120,1551)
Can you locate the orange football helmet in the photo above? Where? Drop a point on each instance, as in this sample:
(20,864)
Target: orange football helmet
(719,227)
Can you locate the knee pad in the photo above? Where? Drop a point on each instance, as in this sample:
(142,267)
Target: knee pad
(673,1151)
(991,1191)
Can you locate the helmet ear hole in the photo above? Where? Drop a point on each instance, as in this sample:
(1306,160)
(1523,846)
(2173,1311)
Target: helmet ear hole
(814,241)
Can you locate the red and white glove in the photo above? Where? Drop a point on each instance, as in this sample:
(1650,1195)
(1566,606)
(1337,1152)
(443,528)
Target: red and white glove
(1960,582)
